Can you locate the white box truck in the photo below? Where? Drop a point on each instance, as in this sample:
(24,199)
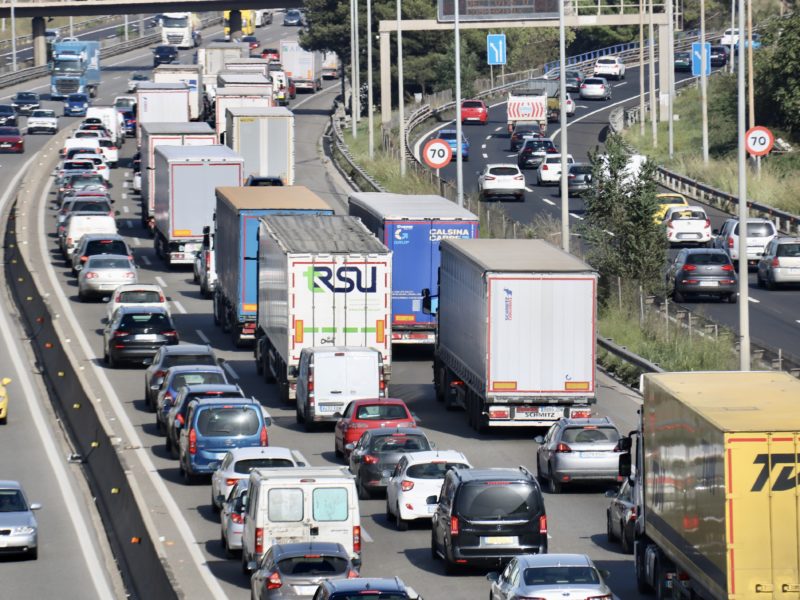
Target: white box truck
(257,65)
(112,120)
(242,80)
(304,67)
(166,134)
(190,75)
(322,281)
(161,103)
(238,97)
(265,139)
(185,182)
(516,332)
(212,58)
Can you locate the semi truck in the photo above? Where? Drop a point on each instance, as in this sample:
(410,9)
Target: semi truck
(265,139)
(75,69)
(302,66)
(235,244)
(331,66)
(516,332)
(161,103)
(237,97)
(191,76)
(243,81)
(715,485)
(322,281)
(185,179)
(412,227)
(527,105)
(248,23)
(181,29)
(166,134)
(212,58)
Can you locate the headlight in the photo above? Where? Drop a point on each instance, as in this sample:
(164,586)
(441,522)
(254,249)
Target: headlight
(25,530)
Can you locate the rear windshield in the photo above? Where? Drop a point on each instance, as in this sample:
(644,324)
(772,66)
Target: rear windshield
(104,143)
(106,247)
(683,56)
(313,565)
(790,250)
(201,378)
(590,435)
(132,322)
(86,181)
(26,97)
(689,215)
(538,144)
(90,206)
(472,104)
(560,575)
(398,443)
(757,230)
(525,130)
(503,171)
(378,412)
(172,360)
(716,258)
(581,170)
(247,465)
(606,61)
(671,200)
(74,165)
(433,470)
(228,421)
(139,296)
(371,595)
(100,262)
(594,81)
(86,133)
(494,500)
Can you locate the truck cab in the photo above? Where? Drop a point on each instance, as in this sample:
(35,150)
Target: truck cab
(75,68)
(180,30)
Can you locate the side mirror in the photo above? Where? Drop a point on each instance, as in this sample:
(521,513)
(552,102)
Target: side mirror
(611,494)
(294,371)
(337,415)
(539,439)
(625,444)
(147,362)
(213,465)
(221,499)
(416,418)
(605,573)
(430,303)
(715,232)
(432,500)
(625,464)
(350,447)
(493,576)
(252,565)
(36,506)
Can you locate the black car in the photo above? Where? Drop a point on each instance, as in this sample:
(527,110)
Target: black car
(683,61)
(7,115)
(719,56)
(177,414)
(703,271)
(572,81)
(164,55)
(486,516)
(521,132)
(533,152)
(135,333)
(259,181)
(365,587)
(377,453)
(621,516)
(25,102)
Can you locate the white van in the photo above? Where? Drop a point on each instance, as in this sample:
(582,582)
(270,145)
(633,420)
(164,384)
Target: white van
(307,504)
(88,142)
(80,225)
(329,378)
(112,120)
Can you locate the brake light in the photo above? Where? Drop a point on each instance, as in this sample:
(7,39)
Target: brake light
(231,481)
(689,268)
(453,526)
(92,275)
(489,178)
(259,540)
(730,242)
(263,437)
(406,485)
(543,524)
(545,167)
(159,373)
(670,224)
(192,441)
(120,333)
(729,268)
(180,419)
(237,518)
(161,298)
(208,260)
(562,447)
(370,459)
(357,539)
(274,581)
(170,333)
(352,574)
(708,223)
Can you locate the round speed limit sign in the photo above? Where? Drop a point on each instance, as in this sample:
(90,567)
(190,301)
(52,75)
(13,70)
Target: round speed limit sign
(758,141)
(437,153)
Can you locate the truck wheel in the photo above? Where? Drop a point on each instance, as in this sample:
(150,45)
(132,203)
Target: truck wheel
(481,420)
(298,416)
(268,376)
(663,592)
(627,542)
(642,586)
(215,310)
(259,364)
(224,320)
(284,387)
(308,422)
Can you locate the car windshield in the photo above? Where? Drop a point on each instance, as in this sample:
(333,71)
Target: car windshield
(371,594)
(26,97)
(494,500)
(313,565)
(77,98)
(9,131)
(755,230)
(197,378)
(106,247)
(139,77)
(139,296)
(293,13)
(12,501)
(558,575)
(525,131)
(589,434)
(538,145)
(788,250)
(6,110)
(172,360)
(447,135)
(90,206)
(247,465)
(666,200)
(709,258)
(379,412)
(432,470)
(398,443)
(606,61)
(504,171)
(43,114)
(102,262)
(228,421)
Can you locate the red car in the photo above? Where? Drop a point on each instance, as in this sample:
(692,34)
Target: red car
(271,54)
(474,111)
(374,413)
(11,140)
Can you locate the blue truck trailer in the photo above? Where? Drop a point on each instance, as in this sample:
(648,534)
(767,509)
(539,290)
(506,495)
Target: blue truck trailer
(412,227)
(75,69)
(235,246)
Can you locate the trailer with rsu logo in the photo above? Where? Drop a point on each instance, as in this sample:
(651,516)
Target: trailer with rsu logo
(516,332)
(322,281)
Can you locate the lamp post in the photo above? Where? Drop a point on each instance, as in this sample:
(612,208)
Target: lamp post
(357,63)
(353,86)
(370,124)
(641,68)
(13,38)
(459,133)
(744,301)
(651,50)
(703,80)
(562,96)
(671,82)
(401,105)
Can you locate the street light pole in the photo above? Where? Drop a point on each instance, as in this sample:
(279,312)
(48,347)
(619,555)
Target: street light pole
(13,38)
(401,101)
(641,68)
(562,96)
(357,63)
(459,132)
(703,80)
(353,86)
(652,78)
(744,300)
(71,27)
(671,78)
(370,124)
(733,26)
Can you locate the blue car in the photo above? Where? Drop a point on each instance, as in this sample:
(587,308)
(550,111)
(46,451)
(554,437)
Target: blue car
(177,377)
(214,427)
(76,105)
(756,42)
(449,136)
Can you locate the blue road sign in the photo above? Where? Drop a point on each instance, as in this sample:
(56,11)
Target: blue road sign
(496,48)
(697,58)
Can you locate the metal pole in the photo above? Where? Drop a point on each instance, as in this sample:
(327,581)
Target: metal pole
(744,300)
(357,62)
(641,69)
(562,96)
(459,132)
(733,25)
(401,101)
(751,103)
(703,80)
(370,124)
(72,27)
(652,78)
(353,88)
(13,39)
(671,82)
(126,28)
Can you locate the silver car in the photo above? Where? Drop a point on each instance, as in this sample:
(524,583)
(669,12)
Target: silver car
(231,518)
(780,263)
(103,273)
(549,577)
(595,88)
(578,450)
(19,531)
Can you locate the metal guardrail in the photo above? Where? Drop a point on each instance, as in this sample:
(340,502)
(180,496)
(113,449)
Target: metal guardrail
(353,171)
(644,365)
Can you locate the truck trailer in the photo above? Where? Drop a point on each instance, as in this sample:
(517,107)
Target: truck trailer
(238,98)
(212,57)
(185,180)
(302,66)
(715,485)
(190,75)
(161,103)
(235,245)
(322,281)
(265,139)
(412,228)
(516,332)
(525,105)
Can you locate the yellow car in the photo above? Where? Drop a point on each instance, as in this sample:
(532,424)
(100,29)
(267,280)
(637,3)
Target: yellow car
(4,400)
(667,201)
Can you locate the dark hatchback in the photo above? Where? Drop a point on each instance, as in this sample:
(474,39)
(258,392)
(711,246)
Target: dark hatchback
(25,102)
(683,61)
(702,271)
(579,178)
(7,115)
(719,56)
(521,132)
(486,516)
(135,333)
(176,418)
(164,55)
(533,152)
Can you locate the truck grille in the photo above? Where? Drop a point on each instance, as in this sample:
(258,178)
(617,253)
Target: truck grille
(67,86)
(174,38)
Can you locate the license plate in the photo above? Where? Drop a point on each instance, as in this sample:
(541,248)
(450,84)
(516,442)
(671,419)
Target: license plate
(329,407)
(794,271)
(592,454)
(538,413)
(147,337)
(709,283)
(506,540)
(305,590)
(5,145)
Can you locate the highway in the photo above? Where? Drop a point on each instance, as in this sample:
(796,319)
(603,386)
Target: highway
(179,514)
(774,315)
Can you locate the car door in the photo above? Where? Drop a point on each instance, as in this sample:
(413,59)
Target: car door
(545,450)
(184,439)
(394,481)
(441,516)
(618,507)
(358,451)
(339,431)
(766,259)
(676,266)
(504,587)
(302,381)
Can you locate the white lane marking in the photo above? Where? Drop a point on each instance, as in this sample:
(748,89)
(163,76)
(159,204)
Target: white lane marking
(125,183)
(230,371)
(316,95)
(550,202)
(202,336)
(582,106)
(510,155)
(118,76)
(797,321)
(125,197)
(621,84)
(367,537)
(125,209)
(527,189)
(76,511)
(488,137)
(483,146)
(576,216)
(753,300)
(498,128)
(160,281)
(484,155)
(589,114)
(179,306)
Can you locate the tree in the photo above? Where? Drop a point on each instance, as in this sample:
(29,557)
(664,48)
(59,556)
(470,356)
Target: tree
(623,238)
(777,86)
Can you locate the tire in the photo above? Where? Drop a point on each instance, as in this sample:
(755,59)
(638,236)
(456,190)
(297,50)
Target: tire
(553,485)
(627,543)
(214,506)
(159,425)
(389,515)
(662,591)
(33,553)
(168,445)
(770,283)
(450,566)
(760,282)
(195,277)
(298,417)
(245,570)
(609,531)
(678,296)
(399,522)
(308,422)
(338,453)
(188,478)
(105,356)
(434,552)
(82,296)
(733,298)
(641,582)
(112,362)
(225,548)
(363,493)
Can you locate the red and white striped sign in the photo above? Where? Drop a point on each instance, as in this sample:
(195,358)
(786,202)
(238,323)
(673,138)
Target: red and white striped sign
(528,109)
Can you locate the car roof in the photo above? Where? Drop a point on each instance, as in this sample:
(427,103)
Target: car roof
(555,560)
(493,474)
(212,402)
(705,251)
(587,421)
(127,309)
(201,388)
(90,237)
(256,451)
(186,348)
(145,287)
(426,456)
(194,368)
(383,584)
(362,401)
(789,240)
(9,484)
(105,256)
(303,548)
(390,431)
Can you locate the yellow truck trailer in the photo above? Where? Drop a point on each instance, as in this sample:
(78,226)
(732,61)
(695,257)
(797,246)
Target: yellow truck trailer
(716,483)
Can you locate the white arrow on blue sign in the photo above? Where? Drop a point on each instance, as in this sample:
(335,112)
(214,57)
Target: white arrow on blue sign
(697,58)
(496,49)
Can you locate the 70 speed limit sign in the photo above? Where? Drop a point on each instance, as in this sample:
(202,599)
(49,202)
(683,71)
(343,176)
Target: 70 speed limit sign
(758,141)
(437,153)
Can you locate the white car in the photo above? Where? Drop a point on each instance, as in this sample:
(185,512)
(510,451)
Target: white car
(125,102)
(238,462)
(416,477)
(570,106)
(231,517)
(729,37)
(501,180)
(43,120)
(110,151)
(138,294)
(136,184)
(135,79)
(100,165)
(687,224)
(550,169)
(609,66)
